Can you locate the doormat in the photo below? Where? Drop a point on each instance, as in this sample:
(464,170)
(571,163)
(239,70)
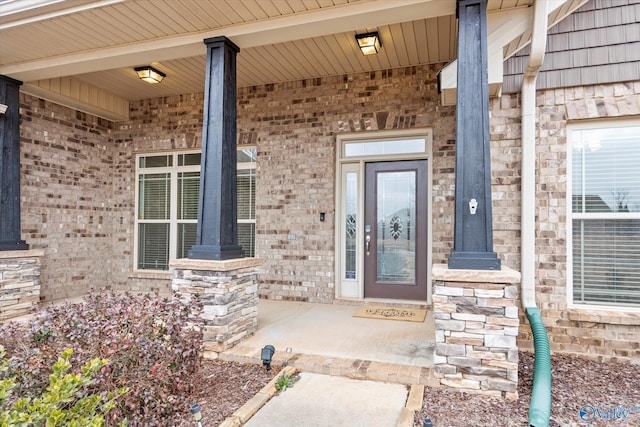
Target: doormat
(391,313)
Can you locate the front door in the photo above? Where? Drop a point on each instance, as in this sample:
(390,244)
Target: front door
(395,249)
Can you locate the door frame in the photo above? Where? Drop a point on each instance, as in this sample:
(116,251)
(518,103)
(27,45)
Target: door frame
(352,152)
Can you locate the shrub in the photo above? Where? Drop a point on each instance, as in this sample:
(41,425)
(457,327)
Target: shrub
(151,343)
(65,401)
(286,381)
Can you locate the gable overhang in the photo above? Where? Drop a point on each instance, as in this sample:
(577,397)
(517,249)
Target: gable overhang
(508,31)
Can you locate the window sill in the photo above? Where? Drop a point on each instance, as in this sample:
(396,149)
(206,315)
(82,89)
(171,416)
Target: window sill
(589,314)
(151,275)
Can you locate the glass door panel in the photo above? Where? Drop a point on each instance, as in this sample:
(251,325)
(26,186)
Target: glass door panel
(395,231)
(396,213)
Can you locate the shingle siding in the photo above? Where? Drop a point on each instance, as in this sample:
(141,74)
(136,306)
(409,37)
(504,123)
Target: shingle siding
(599,43)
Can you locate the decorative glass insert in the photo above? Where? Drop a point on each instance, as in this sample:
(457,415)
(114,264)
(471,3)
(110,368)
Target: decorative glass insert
(395,227)
(350,226)
(605,215)
(396,211)
(351,209)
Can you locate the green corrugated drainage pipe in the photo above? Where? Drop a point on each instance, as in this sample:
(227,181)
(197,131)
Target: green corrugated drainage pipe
(540,405)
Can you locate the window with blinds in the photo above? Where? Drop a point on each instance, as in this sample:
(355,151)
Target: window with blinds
(246,186)
(168,186)
(605,215)
(188,189)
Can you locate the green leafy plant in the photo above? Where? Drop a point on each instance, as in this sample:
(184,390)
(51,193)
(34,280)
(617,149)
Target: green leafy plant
(153,345)
(286,381)
(66,401)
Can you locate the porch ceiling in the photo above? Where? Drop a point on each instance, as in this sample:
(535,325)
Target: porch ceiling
(82,53)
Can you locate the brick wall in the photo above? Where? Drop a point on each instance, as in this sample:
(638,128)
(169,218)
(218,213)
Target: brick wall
(294,126)
(66,189)
(600,334)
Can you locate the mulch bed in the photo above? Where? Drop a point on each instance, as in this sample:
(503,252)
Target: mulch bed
(223,387)
(576,382)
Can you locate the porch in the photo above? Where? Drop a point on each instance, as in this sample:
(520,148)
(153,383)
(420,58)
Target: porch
(327,339)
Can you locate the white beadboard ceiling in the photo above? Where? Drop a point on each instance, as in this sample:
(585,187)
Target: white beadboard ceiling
(97,43)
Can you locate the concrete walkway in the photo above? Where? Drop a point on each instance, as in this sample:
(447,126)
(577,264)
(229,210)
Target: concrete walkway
(324,401)
(321,400)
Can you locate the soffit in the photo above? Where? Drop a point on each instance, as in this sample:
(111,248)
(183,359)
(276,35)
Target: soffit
(98,42)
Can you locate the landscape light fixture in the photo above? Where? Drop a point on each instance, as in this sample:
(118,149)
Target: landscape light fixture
(369,43)
(197,414)
(150,74)
(266,355)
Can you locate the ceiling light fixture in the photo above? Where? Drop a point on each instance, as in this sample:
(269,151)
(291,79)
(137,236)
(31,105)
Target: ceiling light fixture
(369,43)
(150,74)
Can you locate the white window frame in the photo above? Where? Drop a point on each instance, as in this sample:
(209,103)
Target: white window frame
(173,201)
(173,220)
(570,215)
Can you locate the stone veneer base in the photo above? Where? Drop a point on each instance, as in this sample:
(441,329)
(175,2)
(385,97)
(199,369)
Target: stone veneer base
(476,322)
(228,291)
(19,282)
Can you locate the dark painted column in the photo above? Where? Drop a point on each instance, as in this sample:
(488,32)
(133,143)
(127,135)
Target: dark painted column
(217,236)
(473,235)
(10,166)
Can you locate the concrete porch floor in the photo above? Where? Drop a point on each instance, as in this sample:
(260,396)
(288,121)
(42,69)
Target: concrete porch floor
(327,339)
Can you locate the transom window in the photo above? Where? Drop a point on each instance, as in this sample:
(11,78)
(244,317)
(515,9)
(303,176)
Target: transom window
(167,187)
(605,214)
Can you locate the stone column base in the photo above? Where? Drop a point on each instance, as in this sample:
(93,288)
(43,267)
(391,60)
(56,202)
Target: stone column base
(228,291)
(476,321)
(19,282)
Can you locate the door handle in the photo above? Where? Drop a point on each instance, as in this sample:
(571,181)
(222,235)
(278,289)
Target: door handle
(368,243)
